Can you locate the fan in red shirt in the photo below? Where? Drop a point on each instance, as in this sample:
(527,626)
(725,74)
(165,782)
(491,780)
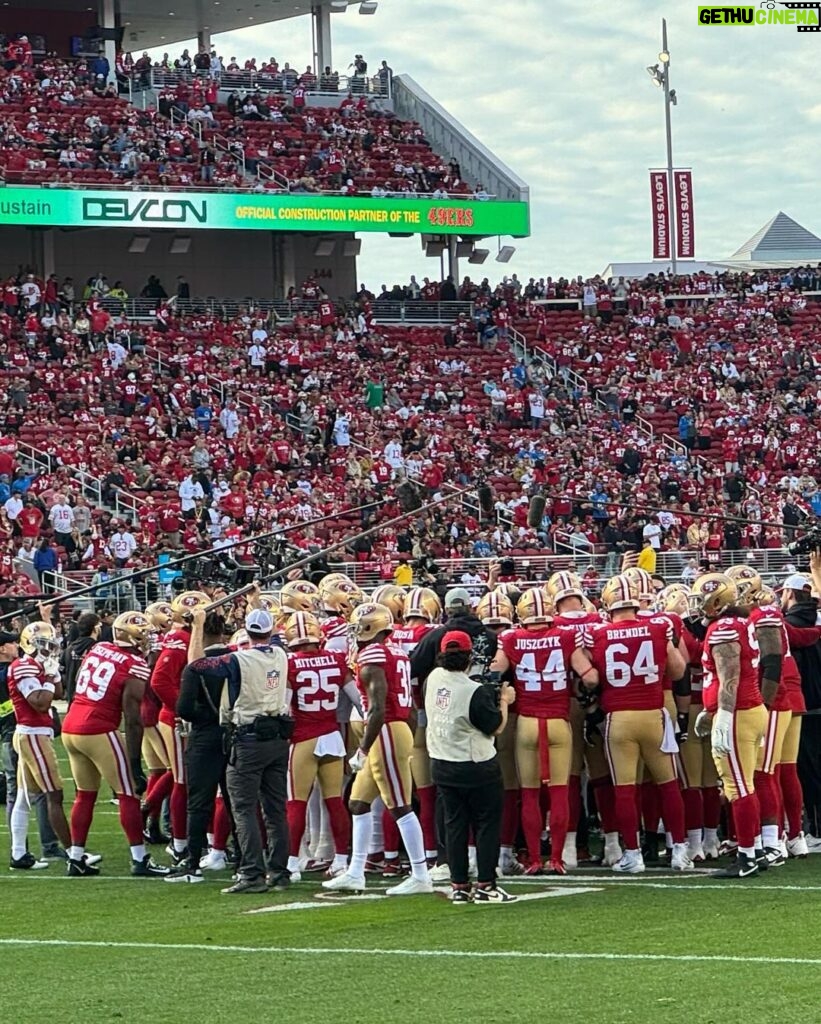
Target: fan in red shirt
(110,686)
(165,682)
(540,658)
(315,678)
(632,655)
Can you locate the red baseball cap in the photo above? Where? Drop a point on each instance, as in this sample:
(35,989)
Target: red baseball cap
(455,640)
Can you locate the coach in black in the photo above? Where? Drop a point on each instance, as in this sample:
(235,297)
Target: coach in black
(205,755)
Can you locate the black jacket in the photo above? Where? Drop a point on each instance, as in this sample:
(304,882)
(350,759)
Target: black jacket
(423,659)
(199,699)
(72,656)
(808,659)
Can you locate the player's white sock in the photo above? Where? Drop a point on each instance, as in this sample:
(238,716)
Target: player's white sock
(138,852)
(694,836)
(76,852)
(711,835)
(411,832)
(748,851)
(19,825)
(340,862)
(210,837)
(180,845)
(769,834)
(324,848)
(759,842)
(377,841)
(293,864)
(360,840)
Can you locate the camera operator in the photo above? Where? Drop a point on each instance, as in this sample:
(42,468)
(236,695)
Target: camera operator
(206,758)
(254,704)
(460,616)
(463,717)
(801,612)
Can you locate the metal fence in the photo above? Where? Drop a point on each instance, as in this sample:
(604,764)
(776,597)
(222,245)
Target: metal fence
(282,83)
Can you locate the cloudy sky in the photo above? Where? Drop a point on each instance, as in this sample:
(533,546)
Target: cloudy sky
(559,91)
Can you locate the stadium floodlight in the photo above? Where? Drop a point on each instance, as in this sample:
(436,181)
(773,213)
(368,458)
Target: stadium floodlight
(180,246)
(325,247)
(352,247)
(139,243)
(664,57)
(505,254)
(479,255)
(368,7)
(338,6)
(434,249)
(464,249)
(655,74)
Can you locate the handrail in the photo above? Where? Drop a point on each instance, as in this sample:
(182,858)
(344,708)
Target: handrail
(282,83)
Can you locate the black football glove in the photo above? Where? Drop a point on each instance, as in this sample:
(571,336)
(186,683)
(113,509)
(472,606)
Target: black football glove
(140,781)
(683,726)
(592,722)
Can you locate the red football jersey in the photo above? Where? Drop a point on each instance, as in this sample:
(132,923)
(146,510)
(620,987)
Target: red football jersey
(630,657)
(407,637)
(396,666)
(26,676)
(739,631)
(694,649)
(315,679)
(578,620)
(98,695)
(771,616)
(335,631)
(541,661)
(167,674)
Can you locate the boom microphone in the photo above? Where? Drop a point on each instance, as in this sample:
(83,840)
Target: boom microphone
(535,512)
(485,499)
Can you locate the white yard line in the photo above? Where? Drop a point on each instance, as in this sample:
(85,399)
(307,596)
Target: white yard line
(459,954)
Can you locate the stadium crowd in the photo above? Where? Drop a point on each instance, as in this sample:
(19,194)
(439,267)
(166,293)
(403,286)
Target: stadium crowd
(63,124)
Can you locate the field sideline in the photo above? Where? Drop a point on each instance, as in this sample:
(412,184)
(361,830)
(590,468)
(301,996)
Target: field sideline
(676,948)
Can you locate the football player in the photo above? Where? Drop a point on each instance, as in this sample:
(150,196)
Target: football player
(34,683)
(540,658)
(734,714)
(110,686)
(315,679)
(160,779)
(631,655)
(573,610)
(420,610)
(382,762)
(702,802)
(338,596)
(165,682)
(777,663)
(497,612)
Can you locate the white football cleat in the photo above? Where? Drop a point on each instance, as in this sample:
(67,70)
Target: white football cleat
(569,855)
(214,860)
(411,887)
(813,844)
(612,853)
(347,883)
(509,868)
(711,851)
(93,858)
(695,851)
(631,863)
(441,873)
(679,861)
(798,847)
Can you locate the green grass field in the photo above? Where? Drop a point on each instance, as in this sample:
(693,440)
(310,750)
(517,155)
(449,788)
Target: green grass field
(589,947)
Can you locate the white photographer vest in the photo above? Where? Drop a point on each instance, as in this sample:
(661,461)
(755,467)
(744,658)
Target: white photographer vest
(263,682)
(450,735)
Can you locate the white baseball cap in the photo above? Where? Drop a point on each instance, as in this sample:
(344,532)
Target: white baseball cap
(458,598)
(797,581)
(259,622)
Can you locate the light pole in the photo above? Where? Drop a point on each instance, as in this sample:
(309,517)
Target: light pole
(661,78)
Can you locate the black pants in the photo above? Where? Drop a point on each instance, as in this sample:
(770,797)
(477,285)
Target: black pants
(809,771)
(258,774)
(477,806)
(205,765)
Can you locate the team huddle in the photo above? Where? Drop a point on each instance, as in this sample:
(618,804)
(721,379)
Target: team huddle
(680,706)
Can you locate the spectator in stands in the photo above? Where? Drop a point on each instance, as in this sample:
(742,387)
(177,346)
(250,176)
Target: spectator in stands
(45,560)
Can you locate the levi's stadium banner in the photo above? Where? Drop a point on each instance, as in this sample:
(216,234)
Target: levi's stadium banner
(78,208)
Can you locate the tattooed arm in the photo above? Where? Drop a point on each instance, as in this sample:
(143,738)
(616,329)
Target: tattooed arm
(769,640)
(728,669)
